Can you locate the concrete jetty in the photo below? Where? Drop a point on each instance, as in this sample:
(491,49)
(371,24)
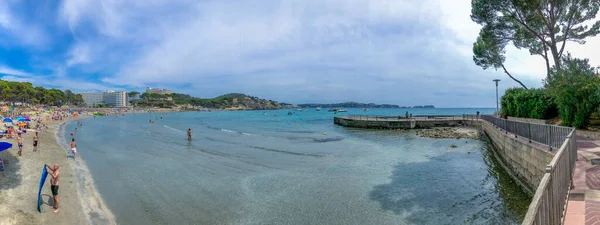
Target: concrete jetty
(401,122)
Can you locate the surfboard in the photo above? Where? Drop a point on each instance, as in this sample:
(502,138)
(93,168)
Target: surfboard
(42,181)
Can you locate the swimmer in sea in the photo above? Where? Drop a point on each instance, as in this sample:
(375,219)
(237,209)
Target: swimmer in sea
(189,133)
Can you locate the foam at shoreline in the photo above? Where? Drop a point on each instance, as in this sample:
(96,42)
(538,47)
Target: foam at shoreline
(91,201)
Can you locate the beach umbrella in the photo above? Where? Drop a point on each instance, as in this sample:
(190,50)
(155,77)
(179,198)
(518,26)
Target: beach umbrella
(20,119)
(7,120)
(22,124)
(5,145)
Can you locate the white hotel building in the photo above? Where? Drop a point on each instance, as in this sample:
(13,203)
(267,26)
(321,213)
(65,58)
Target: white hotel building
(111,98)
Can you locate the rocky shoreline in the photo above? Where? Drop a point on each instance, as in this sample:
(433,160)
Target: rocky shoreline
(448,133)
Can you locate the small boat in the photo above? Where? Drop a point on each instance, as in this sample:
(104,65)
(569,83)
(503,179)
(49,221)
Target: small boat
(318,109)
(290,113)
(337,110)
(365,109)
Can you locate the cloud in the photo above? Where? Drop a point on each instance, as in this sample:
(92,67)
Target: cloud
(79,54)
(385,51)
(10,71)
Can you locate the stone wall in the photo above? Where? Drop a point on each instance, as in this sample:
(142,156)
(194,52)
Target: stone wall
(595,135)
(396,124)
(373,124)
(526,162)
(529,120)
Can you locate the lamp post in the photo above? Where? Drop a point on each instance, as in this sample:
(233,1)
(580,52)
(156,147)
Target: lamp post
(497,112)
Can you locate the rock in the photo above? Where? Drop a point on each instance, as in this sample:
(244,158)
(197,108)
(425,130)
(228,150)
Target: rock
(449,133)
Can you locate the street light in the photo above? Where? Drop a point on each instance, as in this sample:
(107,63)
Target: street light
(497,112)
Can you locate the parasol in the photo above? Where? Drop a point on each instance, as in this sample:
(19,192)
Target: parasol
(7,120)
(3,146)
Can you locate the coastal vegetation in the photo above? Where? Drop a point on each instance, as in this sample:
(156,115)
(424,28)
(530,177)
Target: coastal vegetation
(572,93)
(571,87)
(24,93)
(542,27)
(529,103)
(232,101)
(576,90)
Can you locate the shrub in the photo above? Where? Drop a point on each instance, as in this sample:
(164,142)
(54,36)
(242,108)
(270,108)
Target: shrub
(532,103)
(576,88)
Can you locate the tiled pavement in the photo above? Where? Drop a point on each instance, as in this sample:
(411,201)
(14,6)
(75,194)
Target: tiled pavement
(592,212)
(584,199)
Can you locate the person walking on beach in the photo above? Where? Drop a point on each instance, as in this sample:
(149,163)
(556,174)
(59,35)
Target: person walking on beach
(54,185)
(20,143)
(189,132)
(35,142)
(73,147)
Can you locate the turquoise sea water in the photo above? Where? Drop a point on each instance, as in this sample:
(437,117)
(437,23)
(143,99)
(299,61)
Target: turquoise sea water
(249,168)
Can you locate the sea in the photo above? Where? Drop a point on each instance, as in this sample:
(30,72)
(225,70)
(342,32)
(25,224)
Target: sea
(267,167)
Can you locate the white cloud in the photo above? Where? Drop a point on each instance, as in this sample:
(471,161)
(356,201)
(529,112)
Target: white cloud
(79,54)
(11,71)
(319,48)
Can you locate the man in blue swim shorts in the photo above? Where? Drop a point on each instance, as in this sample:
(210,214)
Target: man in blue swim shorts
(20,141)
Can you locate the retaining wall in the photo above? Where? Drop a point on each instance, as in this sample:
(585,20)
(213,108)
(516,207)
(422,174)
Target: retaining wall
(525,161)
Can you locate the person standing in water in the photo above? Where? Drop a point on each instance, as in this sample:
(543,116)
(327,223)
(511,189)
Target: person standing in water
(35,142)
(54,185)
(20,143)
(73,148)
(189,132)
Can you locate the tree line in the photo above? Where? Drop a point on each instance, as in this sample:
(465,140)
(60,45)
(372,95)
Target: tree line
(12,92)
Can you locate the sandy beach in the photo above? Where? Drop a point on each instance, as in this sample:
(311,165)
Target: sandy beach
(79,201)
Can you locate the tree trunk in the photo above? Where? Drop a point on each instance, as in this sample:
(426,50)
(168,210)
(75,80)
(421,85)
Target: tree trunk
(515,79)
(555,55)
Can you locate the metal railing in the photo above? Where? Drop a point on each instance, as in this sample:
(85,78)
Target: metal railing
(548,205)
(550,199)
(545,134)
(399,118)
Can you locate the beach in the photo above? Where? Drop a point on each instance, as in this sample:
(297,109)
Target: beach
(19,183)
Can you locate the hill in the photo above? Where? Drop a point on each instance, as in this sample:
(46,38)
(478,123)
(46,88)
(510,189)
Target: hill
(348,105)
(232,101)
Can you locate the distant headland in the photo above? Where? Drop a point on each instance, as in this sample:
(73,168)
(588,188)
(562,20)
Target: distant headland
(358,105)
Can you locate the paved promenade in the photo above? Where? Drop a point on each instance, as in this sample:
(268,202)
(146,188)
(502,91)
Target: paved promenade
(584,200)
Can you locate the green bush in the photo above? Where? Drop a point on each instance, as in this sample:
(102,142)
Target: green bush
(576,89)
(532,103)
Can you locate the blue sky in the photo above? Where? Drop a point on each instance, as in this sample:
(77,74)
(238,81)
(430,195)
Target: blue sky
(384,51)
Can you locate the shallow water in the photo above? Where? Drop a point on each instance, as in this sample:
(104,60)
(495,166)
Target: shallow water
(250,168)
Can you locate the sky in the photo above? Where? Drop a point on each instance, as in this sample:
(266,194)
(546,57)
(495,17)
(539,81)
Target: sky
(401,52)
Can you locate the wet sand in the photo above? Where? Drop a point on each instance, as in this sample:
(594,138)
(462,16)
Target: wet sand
(80,203)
